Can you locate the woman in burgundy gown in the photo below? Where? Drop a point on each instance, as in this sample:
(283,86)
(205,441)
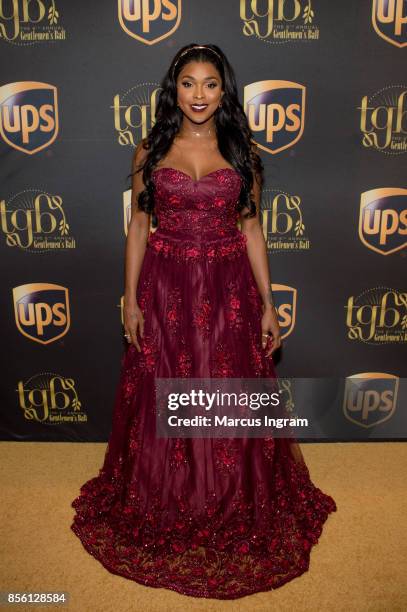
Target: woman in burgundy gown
(207,517)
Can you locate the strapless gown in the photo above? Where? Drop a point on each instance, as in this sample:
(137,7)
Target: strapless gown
(215,518)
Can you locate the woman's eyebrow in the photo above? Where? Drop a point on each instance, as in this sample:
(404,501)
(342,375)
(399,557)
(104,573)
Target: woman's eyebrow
(188,76)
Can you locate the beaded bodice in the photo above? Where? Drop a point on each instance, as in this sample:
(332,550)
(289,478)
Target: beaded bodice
(204,207)
(197,218)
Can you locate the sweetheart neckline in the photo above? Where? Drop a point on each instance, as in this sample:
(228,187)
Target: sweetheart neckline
(190,177)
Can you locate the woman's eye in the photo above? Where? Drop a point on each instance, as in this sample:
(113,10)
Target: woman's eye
(210,85)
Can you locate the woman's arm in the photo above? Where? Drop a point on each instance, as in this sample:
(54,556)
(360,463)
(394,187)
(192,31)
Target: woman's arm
(136,241)
(257,253)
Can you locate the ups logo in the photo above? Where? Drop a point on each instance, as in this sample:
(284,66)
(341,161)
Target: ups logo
(149,22)
(42,311)
(389,19)
(370,398)
(275,112)
(28,115)
(286,305)
(383,219)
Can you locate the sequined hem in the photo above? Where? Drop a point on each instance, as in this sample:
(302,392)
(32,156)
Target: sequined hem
(166,584)
(264,542)
(187,250)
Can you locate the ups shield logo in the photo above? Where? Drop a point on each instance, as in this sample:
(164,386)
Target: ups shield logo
(275,112)
(286,305)
(149,21)
(42,311)
(383,219)
(28,115)
(370,398)
(389,19)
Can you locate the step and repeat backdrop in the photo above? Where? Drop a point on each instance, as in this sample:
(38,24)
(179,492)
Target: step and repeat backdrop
(324,86)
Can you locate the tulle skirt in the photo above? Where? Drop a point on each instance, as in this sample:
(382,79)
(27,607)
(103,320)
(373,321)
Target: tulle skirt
(207,517)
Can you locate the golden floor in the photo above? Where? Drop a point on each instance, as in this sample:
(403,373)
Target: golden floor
(359,563)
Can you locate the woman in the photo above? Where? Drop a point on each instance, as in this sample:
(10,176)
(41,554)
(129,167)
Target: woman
(206,517)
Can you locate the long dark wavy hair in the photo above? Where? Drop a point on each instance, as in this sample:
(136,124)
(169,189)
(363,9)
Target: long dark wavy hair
(232,128)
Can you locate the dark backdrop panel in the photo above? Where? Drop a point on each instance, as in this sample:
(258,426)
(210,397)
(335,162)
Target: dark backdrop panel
(64,390)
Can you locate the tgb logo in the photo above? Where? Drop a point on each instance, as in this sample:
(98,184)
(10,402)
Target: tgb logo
(29,115)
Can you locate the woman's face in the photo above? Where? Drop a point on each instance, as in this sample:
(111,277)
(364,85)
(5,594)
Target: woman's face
(199,90)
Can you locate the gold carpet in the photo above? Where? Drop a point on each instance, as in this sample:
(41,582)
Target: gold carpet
(359,563)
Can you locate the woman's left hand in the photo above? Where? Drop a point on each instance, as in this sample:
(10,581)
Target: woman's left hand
(269,323)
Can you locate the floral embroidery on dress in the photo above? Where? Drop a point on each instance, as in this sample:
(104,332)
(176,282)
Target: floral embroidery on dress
(145,294)
(221,365)
(174,310)
(183,367)
(219,202)
(178,455)
(254,296)
(233,308)
(188,251)
(268,448)
(129,380)
(174,199)
(226,452)
(149,352)
(201,314)
(261,499)
(134,437)
(129,383)
(161,544)
(256,357)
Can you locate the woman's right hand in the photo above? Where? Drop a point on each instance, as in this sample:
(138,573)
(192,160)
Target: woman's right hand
(133,323)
